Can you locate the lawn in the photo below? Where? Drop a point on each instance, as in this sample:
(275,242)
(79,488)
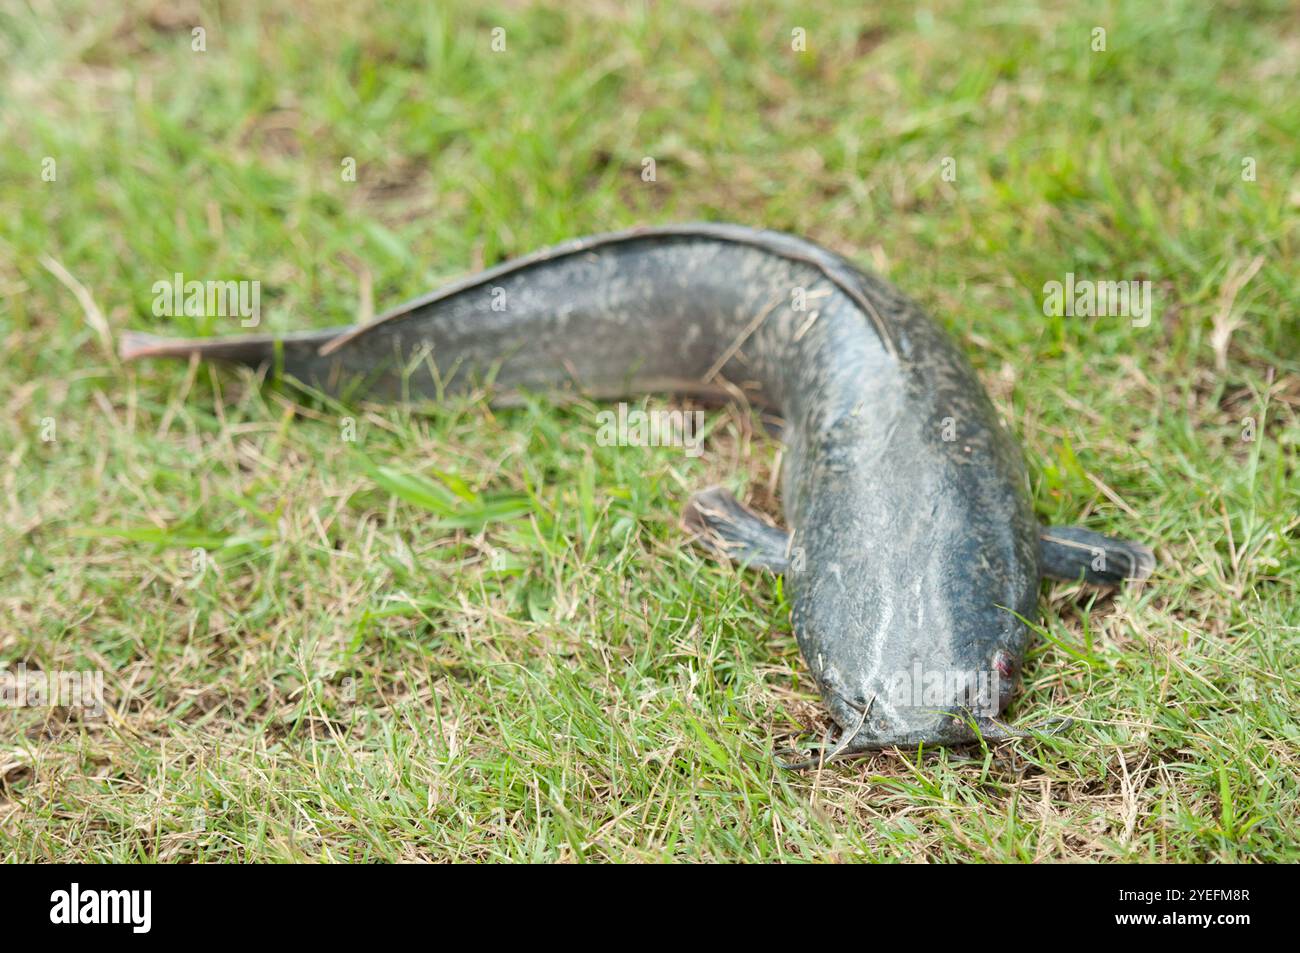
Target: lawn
(362,632)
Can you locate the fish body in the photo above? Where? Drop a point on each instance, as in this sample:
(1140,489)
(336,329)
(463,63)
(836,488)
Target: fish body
(913,555)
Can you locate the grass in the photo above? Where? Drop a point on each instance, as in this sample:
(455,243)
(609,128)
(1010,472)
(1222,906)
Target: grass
(476,634)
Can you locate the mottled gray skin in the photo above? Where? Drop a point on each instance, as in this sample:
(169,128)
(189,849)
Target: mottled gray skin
(914,541)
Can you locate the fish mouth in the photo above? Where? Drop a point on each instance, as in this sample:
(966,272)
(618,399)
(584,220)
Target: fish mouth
(863,734)
(876,724)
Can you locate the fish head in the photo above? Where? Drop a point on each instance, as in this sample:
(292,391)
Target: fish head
(913,618)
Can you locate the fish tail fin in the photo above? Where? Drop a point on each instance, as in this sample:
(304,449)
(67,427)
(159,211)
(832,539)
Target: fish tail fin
(1071,552)
(251,349)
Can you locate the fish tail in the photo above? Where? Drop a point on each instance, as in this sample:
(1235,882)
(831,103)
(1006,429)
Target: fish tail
(253,349)
(250,349)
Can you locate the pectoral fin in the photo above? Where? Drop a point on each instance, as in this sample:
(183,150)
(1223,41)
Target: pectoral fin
(733,531)
(1072,552)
